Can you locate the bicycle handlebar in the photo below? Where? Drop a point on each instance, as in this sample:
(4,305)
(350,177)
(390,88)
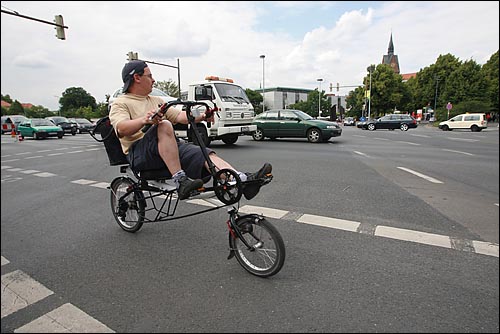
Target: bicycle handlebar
(189,113)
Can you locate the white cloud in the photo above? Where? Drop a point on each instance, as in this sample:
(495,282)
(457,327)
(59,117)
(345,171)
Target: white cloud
(227,38)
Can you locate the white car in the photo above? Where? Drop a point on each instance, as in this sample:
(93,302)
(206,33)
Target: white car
(349,121)
(154,92)
(474,122)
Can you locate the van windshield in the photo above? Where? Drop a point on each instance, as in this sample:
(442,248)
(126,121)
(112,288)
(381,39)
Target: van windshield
(231,93)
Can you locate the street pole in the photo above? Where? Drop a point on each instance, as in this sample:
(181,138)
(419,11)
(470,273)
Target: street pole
(435,96)
(370,69)
(263,85)
(319,98)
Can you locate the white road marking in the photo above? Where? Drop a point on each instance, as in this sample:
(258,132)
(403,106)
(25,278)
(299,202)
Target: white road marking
(463,139)
(361,153)
(413,236)
(428,178)
(457,152)
(45,174)
(19,290)
(339,224)
(268,212)
(64,319)
(407,142)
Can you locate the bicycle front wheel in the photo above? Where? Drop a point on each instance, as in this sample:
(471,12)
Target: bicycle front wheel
(267,253)
(128,210)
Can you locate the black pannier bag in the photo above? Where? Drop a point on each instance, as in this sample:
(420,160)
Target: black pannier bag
(105,133)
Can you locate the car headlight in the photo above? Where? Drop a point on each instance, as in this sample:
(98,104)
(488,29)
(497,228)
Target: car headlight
(332,126)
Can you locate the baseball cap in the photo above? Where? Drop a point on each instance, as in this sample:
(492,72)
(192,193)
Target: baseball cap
(128,71)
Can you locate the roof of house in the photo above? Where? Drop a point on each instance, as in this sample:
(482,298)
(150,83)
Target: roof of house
(408,76)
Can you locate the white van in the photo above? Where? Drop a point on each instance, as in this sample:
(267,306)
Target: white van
(474,122)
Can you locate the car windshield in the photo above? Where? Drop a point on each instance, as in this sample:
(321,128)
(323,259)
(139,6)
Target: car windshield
(232,93)
(17,119)
(41,122)
(302,115)
(83,121)
(60,119)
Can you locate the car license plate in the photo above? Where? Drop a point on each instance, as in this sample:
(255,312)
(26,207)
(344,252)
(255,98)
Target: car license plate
(244,128)
(52,133)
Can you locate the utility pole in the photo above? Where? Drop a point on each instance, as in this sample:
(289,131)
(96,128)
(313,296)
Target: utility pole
(133,56)
(319,98)
(435,95)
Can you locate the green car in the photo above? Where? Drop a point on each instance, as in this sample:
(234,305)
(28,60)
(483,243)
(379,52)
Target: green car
(40,128)
(289,123)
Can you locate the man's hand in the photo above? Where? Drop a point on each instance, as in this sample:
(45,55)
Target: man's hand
(154,116)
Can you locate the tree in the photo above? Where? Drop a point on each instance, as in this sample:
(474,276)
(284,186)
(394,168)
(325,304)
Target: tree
(311,105)
(6,98)
(16,108)
(255,99)
(38,112)
(74,98)
(490,71)
(355,103)
(388,90)
(169,87)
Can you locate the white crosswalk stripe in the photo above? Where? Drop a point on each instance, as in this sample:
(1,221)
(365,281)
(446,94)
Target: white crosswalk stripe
(19,291)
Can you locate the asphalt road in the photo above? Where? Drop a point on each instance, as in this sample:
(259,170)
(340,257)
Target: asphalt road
(58,230)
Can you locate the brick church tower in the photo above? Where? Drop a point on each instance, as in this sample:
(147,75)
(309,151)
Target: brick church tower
(390,58)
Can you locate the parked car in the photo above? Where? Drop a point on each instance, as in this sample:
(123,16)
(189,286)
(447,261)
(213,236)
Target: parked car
(391,122)
(474,122)
(349,121)
(293,123)
(8,120)
(39,128)
(64,123)
(154,92)
(82,124)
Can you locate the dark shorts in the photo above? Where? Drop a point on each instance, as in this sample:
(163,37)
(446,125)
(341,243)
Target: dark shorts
(143,155)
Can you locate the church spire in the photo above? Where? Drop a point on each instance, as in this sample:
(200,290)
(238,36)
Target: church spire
(390,51)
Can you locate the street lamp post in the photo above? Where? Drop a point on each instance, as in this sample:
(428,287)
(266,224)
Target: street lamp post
(59,111)
(370,70)
(319,98)
(263,85)
(436,94)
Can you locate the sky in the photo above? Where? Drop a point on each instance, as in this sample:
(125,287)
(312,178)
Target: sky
(302,42)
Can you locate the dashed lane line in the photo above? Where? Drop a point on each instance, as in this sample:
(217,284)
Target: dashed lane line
(425,177)
(479,247)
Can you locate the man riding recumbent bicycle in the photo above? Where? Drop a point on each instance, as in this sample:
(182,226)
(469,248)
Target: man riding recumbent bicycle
(152,195)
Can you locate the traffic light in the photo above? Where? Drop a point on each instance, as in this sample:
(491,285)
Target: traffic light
(132,56)
(60,27)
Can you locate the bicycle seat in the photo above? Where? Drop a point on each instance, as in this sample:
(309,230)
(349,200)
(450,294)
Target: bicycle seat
(154,174)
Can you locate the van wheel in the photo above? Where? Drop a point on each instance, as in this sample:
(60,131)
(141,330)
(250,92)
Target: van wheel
(229,139)
(474,128)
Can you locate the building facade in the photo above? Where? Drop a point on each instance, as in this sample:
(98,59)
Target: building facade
(283,97)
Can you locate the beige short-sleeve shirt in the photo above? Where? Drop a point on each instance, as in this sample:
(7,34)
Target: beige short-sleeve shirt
(130,106)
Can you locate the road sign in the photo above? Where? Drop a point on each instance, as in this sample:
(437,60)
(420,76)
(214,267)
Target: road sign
(449,106)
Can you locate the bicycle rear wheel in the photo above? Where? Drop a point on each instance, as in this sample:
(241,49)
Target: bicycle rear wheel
(129,211)
(267,256)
